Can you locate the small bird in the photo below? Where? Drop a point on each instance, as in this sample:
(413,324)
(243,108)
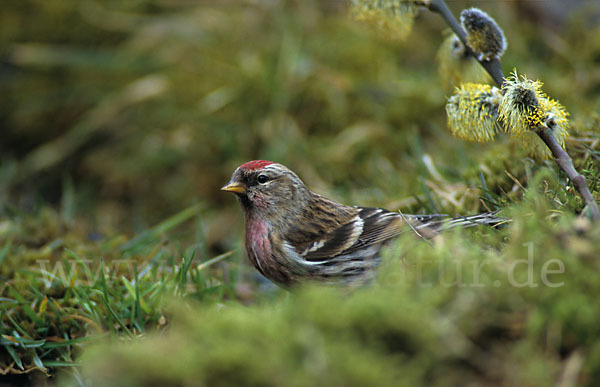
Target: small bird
(295,236)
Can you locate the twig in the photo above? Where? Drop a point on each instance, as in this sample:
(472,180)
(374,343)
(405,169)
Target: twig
(564,162)
(494,68)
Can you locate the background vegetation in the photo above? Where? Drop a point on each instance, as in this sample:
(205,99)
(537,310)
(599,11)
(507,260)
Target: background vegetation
(120,121)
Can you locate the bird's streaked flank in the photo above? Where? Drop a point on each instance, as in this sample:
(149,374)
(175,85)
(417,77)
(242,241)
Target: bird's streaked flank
(294,235)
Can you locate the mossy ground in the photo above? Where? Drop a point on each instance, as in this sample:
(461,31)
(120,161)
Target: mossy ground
(122,263)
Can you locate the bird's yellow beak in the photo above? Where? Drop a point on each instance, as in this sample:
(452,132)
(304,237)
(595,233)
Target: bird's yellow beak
(235,187)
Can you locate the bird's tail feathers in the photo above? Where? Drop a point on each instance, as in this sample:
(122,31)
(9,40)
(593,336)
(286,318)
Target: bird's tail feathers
(489,219)
(436,224)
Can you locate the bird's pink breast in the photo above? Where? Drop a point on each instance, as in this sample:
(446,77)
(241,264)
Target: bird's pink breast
(257,242)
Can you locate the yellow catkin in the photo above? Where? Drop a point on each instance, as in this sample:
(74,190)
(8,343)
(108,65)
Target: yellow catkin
(557,121)
(472,112)
(520,108)
(394,18)
(525,109)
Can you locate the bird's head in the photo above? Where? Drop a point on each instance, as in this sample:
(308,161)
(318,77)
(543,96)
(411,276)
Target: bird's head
(268,189)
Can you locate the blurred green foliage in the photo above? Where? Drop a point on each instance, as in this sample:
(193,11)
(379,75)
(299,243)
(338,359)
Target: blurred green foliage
(148,106)
(117,115)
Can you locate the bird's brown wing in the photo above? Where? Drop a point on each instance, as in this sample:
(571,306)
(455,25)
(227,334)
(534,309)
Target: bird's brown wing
(368,227)
(325,229)
(333,243)
(381,225)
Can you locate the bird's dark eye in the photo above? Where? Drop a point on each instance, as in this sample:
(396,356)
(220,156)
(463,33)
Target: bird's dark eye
(262,179)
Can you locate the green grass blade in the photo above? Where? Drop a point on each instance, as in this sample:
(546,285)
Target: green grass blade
(214,260)
(13,354)
(143,238)
(4,251)
(26,308)
(38,362)
(68,342)
(57,363)
(116,318)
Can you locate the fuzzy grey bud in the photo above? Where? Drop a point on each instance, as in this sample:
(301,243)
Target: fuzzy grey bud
(484,36)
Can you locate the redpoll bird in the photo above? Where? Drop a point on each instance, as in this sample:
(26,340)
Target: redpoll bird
(294,235)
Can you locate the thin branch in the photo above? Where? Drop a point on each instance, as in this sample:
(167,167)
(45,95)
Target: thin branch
(494,68)
(564,162)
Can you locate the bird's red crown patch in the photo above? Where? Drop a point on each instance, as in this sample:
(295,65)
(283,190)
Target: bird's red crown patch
(255,164)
